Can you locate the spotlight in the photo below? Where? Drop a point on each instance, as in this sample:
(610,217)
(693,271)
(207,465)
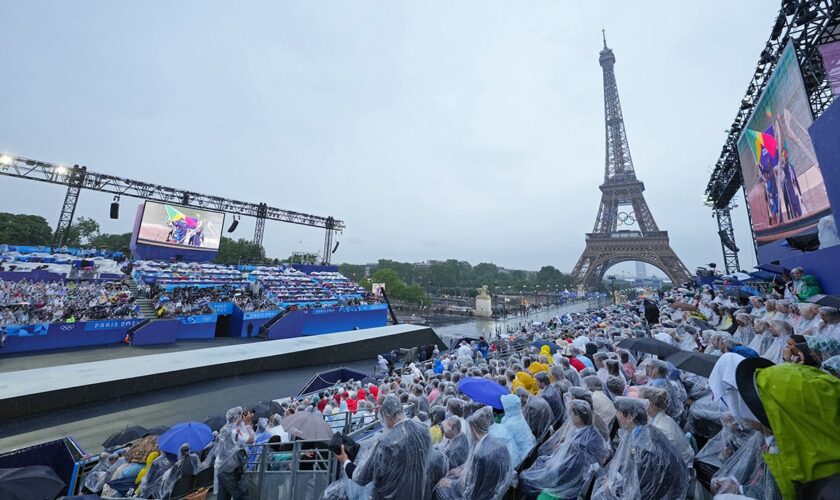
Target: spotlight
(115,208)
(5,160)
(60,170)
(233,224)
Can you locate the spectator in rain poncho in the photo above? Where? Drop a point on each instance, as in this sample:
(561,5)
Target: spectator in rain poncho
(363,416)
(514,430)
(744,333)
(186,464)
(437,470)
(658,402)
(602,405)
(831,366)
(645,466)
(781,330)
(763,336)
(150,483)
(233,436)
(567,429)
(275,428)
(563,473)
(537,412)
(488,470)
(95,479)
(553,392)
(457,445)
(455,407)
(829,322)
(382,363)
(397,466)
(809,319)
(464,353)
(657,370)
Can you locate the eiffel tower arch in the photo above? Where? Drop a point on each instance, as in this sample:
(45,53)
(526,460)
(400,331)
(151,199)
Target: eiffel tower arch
(623,205)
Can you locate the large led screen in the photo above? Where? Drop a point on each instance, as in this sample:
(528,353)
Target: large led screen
(784,185)
(177,226)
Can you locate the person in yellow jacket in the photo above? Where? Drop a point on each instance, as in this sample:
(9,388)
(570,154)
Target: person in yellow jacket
(526,381)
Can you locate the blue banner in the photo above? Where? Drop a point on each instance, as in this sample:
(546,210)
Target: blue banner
(259,315)
(198,319)
(109,324)
(342,309)
(222,307)
(27,330)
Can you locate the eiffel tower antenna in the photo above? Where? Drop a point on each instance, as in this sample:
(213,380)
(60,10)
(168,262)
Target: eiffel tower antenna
(622,204)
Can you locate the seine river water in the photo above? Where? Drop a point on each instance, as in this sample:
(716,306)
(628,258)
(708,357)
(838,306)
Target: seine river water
(488,327)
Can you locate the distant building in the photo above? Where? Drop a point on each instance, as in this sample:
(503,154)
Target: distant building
(641,271)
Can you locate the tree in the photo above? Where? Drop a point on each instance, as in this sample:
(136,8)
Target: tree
(117,242)
(394,285)
(355,272)
(22,229)
(239,251)
(87,228)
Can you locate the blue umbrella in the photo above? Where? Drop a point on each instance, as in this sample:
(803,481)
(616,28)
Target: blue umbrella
(482,390)
(198,436)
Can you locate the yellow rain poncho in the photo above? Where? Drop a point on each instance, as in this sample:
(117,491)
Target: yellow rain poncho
(525,381)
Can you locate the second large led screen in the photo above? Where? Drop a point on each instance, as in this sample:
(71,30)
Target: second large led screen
(177,226)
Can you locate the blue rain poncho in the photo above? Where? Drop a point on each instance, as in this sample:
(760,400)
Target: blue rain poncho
(513,431)
(398,461)
(563,473)
(646,466)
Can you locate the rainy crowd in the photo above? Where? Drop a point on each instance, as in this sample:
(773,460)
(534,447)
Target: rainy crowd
(592,404)
(578,414)
(28,302)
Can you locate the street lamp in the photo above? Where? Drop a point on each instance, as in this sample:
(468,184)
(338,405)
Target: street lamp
(612,279)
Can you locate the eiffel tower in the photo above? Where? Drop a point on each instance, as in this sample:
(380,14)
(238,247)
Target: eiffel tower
(623,204)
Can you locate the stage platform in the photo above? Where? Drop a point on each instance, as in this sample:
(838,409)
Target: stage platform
(31,392)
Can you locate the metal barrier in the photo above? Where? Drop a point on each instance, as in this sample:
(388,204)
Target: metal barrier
(299,470)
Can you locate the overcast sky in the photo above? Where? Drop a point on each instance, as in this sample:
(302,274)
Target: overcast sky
(434,129)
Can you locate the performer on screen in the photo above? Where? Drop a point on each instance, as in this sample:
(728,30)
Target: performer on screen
(790,187)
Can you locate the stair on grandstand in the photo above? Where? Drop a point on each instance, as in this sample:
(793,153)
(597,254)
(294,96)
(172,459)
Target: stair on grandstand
(266,327)
(145,304)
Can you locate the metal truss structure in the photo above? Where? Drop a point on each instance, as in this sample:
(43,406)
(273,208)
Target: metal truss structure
(807,24)
(77,178)
(607,245)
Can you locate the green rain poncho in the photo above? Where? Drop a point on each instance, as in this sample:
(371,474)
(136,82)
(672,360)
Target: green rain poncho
(810,287)
(803,408)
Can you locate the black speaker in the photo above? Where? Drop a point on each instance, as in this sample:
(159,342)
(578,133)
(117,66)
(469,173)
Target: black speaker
(233,225)
(115,210)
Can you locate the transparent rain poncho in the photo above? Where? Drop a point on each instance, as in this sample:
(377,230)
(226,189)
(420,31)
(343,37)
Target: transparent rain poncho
(538,414)
(398,461)
(645,466)
(488,471)
(437,470)
(513,430)
(563,473)
(725,443)
(703,417)
(95,479)
(187,463)
(457,449)
(746,472)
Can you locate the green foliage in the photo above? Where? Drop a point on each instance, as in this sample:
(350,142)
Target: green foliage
(355,272)
(118,242)
(239,251)
(458,277)
(396,288)
(22,229)
(87,229)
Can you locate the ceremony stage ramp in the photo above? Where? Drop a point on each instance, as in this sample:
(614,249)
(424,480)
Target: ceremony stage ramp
(26,393)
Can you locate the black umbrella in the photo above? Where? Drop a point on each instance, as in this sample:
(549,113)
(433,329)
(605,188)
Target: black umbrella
(125,436)
(215,423)
(649,345)
(265,409)
(32,482)
(695,362)
(158,431)
(826,300)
